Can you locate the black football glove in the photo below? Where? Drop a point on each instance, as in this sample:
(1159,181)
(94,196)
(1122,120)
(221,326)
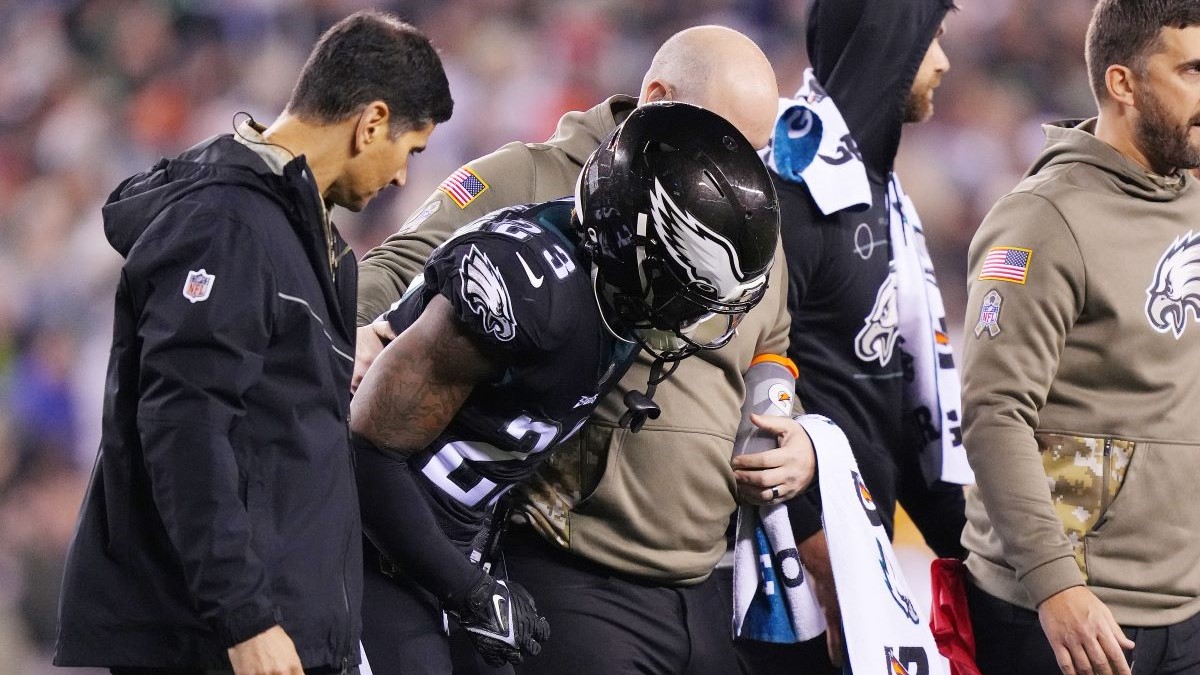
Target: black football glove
(502,620)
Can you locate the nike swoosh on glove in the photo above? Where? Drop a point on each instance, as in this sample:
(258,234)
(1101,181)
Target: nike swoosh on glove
(503,621)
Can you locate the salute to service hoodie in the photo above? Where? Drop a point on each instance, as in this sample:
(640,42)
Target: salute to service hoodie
(1079,391)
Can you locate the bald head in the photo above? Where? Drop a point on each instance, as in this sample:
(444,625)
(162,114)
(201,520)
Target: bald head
(719,69)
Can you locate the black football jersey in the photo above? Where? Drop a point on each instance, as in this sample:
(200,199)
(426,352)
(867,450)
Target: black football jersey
(513,280)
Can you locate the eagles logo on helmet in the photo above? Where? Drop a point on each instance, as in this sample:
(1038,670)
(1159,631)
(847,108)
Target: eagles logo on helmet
(679,220)
(715,223)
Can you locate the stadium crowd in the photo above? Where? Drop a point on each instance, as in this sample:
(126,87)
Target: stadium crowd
(94,90)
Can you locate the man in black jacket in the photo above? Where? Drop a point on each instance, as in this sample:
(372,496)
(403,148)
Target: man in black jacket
(221,525)
(879,62)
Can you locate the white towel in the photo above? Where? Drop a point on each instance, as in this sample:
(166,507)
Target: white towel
(880,620)
(812,144)
(932,399)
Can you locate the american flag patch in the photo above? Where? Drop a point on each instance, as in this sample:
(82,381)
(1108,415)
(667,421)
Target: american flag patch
(1007,264)
(463,186)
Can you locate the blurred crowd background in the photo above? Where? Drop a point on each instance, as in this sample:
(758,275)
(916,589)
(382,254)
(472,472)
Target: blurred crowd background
(94,90)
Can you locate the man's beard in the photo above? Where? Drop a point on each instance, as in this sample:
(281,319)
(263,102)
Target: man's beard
(1166,144)
(918,107)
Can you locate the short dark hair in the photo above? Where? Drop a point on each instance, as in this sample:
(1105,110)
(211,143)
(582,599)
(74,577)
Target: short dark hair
(373,56)
(1126,32)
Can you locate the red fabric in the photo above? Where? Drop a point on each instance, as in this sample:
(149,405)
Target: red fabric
(950,621)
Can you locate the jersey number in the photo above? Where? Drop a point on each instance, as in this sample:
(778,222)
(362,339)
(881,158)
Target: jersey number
(447,470)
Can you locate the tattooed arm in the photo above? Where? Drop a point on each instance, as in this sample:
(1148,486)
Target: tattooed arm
(420,380)
(408,396)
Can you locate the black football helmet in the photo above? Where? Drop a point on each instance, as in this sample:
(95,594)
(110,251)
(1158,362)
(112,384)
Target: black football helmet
(679,219)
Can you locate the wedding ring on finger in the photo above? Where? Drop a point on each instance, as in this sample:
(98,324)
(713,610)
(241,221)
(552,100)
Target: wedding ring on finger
(775,493)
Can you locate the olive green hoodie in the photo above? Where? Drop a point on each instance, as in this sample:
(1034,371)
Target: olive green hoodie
(1080,390)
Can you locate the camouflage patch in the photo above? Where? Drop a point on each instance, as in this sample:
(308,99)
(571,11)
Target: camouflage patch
(1084,475)
(561,482)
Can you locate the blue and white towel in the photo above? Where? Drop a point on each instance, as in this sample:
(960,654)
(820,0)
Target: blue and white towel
(812,144)
(773,600)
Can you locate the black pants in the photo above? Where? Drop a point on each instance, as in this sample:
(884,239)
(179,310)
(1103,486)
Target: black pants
(605,624)
(1009,639)
(802,658)
(403,631)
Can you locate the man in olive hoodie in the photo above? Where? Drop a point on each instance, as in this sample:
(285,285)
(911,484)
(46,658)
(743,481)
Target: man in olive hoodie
(1079,389)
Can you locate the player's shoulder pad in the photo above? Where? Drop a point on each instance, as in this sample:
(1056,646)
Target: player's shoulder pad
(512,280)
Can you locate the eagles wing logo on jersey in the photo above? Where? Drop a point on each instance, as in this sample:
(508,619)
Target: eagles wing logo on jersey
(711,260)
(484,291)
(1176,287)
(877,339)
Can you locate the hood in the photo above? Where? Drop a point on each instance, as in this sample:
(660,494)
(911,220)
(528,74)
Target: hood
(865,54)
(138,200)
(580,133)
(1075,142)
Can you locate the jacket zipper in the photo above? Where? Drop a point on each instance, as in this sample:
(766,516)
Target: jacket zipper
(350,537)
(332,253)
(327,230)
(1106,468)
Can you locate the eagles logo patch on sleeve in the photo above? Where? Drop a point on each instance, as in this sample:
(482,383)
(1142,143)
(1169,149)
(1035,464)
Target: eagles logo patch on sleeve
(486,294)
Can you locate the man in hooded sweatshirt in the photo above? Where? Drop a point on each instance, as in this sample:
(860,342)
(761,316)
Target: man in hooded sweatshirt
(1079,375)
(877,62)
(221,530)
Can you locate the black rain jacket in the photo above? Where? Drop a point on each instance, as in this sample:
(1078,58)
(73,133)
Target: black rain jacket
(223,498)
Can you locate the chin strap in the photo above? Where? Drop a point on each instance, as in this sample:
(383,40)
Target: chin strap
(641,406)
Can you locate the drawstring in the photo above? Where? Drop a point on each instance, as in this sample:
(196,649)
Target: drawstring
(641,406)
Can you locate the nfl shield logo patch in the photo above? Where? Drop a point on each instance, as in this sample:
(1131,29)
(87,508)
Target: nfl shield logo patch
(198,285)
(989,315)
